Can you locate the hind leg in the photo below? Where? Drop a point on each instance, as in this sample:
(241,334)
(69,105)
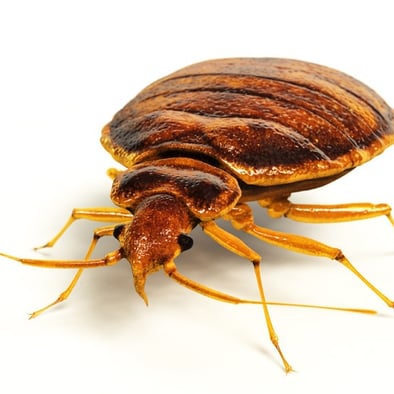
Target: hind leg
(333,213)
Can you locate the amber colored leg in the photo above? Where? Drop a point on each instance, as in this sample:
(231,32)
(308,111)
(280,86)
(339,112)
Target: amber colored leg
(235,245)
(62,297)
(229,241)
(242,219)
(98,233)
(100,214)
(325,213)
(172,272)
(109,259)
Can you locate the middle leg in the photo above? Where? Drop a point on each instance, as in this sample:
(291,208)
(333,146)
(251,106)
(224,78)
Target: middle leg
(242,219)
(238,247)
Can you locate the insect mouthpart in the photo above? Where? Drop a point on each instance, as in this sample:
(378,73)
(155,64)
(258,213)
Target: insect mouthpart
(155,237)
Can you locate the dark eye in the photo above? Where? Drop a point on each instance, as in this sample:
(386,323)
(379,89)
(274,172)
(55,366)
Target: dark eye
(185,242)
(117,231)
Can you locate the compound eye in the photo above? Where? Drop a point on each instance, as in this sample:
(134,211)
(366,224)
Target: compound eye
(185,242)
(117,231)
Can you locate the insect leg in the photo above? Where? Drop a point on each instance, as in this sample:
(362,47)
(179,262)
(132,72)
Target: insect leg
(241,218)
(171,270)
(229,241)
(98,233)
(235,245)
(62,297)
(99,214)
(109,259)
(325,213)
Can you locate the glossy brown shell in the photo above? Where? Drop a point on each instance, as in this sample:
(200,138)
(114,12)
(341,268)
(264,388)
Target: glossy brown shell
(267,121)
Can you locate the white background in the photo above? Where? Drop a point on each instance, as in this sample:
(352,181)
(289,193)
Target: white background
(65,69)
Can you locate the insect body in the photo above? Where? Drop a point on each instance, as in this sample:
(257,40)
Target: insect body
(202,142)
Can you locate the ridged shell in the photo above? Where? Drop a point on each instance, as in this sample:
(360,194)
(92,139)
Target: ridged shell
(267,121)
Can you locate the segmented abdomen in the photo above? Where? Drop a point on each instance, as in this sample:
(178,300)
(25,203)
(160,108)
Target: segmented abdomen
(267,121)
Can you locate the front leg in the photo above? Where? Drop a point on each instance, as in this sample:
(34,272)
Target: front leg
(98,233)
(99,214)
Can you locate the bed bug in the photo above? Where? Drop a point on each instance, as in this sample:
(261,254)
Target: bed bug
(201,143)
